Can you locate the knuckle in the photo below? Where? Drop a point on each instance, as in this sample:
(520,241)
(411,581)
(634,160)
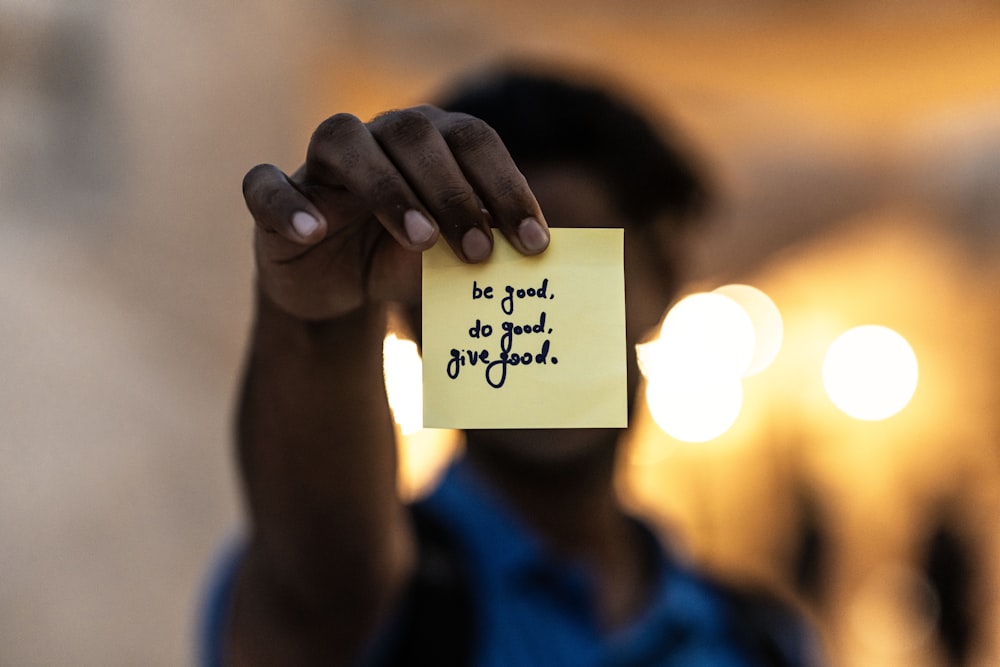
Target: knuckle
(469,134)
(509,187)
(337,128)
(430,111)
(387,187)
(402,125)
(251,179)
(256,184)
(336,143)
(455,198)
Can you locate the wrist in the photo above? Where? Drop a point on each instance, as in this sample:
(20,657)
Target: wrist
(365,320)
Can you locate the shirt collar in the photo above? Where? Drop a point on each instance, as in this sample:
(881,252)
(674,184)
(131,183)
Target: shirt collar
(493,534)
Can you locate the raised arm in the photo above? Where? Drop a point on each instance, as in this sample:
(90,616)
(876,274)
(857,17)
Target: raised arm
(330,548)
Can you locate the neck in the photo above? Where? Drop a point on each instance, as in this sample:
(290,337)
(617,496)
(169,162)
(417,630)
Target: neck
(573,507)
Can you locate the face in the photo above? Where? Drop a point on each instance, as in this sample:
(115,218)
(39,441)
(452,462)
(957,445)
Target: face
(572,198)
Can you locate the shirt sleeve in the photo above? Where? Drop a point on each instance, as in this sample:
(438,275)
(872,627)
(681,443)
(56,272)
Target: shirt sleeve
(215,602)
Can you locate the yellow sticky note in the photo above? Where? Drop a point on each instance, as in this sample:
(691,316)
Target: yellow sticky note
(527,342)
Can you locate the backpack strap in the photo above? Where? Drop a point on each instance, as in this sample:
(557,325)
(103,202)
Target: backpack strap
(436,625)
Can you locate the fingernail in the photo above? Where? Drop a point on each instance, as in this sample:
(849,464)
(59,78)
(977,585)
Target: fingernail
(304,224)
(476,245)
(418,227)
(533,236)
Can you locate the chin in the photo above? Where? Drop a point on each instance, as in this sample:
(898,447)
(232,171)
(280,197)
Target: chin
(543,447)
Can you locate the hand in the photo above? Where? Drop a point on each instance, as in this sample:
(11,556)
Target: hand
(348,227)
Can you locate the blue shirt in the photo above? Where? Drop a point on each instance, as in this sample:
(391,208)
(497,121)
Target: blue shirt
(530,608)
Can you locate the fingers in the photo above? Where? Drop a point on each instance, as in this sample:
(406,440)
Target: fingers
(424,172)
(491,171)
(343,152)
(417,149)
(279,208)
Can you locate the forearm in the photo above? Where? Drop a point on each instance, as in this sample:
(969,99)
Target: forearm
(317,454)
(330,541)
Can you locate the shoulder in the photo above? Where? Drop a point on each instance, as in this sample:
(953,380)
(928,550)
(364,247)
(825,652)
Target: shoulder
(761,625)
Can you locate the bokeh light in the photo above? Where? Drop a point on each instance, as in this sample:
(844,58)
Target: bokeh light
(403,382)
(694,368)
(767,324)
(870,372)
(706,335)
(695,411)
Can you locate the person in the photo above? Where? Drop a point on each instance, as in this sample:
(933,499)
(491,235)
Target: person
(523,554)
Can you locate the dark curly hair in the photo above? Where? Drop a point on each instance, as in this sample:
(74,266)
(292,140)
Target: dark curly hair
(557,119)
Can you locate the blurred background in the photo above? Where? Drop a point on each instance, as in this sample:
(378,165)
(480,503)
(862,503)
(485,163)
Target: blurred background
(856,147)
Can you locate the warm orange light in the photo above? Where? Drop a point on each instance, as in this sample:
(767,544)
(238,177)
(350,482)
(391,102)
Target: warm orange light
(403,382)
(767,324)
(705,336)
(870,372)
(693,369)
(695,411)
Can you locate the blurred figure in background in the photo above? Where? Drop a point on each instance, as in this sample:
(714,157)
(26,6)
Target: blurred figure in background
(523,554)
(951,570)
